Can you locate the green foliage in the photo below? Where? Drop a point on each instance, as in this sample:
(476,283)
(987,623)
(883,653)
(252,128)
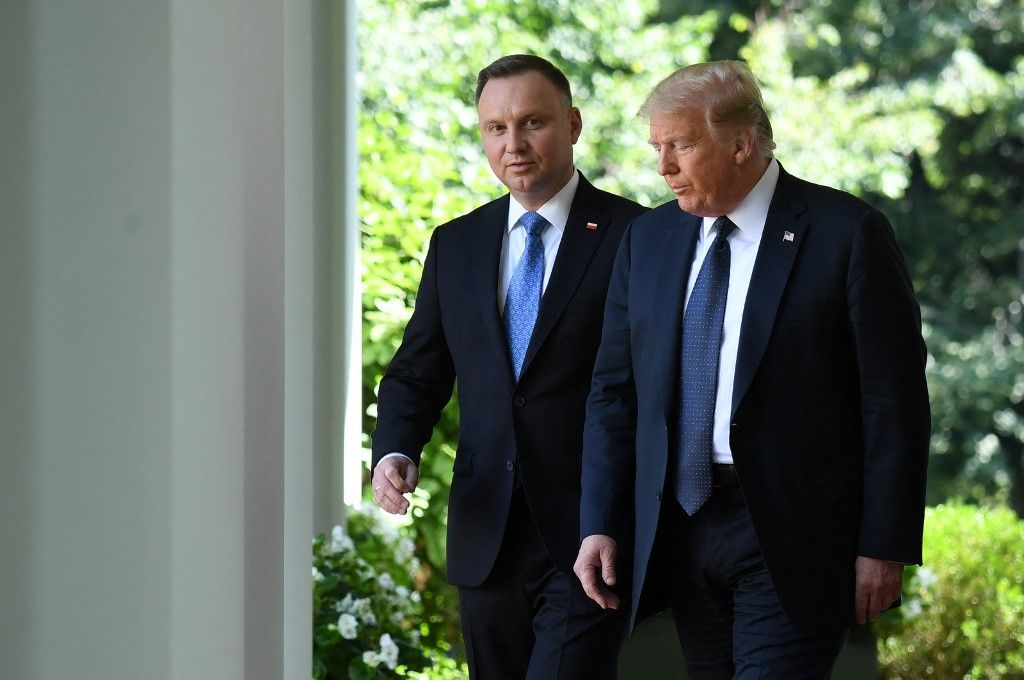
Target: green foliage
(367,610)
(963,612)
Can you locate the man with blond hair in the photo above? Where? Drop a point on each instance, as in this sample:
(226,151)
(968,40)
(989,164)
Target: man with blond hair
(758,424)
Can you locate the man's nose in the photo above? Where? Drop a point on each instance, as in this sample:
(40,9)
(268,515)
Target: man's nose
(666,164)
(515,140)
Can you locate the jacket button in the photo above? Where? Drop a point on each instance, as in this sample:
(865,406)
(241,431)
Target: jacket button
(518,400)
(658,496)
(509,465)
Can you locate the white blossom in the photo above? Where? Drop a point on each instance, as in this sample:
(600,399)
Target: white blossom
(404,550)
(388,651)
(348,627)
(340,542)
(371,659)
(385,581)
(415,596)
(346,603)
(927,577)
(317,576)
(362,609)
(912,609)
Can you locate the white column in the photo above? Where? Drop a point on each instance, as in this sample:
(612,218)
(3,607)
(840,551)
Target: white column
(158,302)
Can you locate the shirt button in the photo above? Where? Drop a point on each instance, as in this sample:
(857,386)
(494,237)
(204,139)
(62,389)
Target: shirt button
(509,465)
(658,496)
(518,400)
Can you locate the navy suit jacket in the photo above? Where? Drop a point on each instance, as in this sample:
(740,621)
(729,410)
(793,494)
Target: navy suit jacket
(830,418)
(534,427)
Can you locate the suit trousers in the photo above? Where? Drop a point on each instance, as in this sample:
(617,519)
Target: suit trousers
(708,568)
(531,620)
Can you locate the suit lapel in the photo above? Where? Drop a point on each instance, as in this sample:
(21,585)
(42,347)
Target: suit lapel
(484,276)
(783,234)
(574,254)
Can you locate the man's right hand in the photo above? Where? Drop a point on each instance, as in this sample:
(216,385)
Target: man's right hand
(595,568)
(394,476)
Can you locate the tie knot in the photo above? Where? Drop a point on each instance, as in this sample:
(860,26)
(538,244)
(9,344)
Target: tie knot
(724,226)
(534,223)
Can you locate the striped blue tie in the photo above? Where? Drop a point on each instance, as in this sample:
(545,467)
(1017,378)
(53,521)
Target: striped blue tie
(702,346)
(524,291)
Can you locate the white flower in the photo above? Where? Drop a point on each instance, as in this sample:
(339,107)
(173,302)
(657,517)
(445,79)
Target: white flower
(402,593)
(388,651)
(348,626)
(404,550)
(317,576)
(361,608)
(340,542)
(371,659)
(346,603)
(385,581)
(912,609)
(415,596)
(927,577)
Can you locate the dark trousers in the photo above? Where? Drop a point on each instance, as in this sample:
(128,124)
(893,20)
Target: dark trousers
(531,620)
(708,568)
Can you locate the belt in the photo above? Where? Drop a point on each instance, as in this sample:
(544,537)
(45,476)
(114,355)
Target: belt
(723,475)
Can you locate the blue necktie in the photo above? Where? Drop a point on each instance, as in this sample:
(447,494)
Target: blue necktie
(524,291)
(702,346)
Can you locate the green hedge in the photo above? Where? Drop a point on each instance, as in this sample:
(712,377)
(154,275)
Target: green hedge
(963,611)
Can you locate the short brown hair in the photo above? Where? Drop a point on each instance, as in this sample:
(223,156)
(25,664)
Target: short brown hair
(514,64)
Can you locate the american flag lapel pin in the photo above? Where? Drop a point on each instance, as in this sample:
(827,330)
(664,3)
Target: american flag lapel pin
(788,236)
(592,226)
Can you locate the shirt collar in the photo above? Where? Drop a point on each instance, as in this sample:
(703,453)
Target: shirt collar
(555,211)
(752,212)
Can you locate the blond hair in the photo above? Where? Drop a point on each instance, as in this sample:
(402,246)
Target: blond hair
(725,91)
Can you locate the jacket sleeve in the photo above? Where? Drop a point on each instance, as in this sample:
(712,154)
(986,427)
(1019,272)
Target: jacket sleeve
(609,435)
(419,381)
(886,326)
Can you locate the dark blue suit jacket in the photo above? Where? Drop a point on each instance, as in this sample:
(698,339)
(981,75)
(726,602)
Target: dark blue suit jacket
(535,427)
(830,418)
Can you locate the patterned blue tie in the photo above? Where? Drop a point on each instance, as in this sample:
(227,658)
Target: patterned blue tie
(524,291)
(702,346)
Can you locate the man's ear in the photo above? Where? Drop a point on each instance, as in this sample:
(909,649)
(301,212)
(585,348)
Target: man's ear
(575,123)
(745,146)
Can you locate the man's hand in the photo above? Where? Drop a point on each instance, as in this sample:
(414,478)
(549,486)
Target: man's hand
(879,584)
(595,568)
(394,476)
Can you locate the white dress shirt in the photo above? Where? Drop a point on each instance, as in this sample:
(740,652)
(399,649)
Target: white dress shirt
(513,242)
(749,217)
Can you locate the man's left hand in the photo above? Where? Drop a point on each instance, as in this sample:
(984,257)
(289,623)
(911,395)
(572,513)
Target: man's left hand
(879,584)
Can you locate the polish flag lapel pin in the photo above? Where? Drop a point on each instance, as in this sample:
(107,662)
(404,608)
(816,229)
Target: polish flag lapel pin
(592,226)
(788,236)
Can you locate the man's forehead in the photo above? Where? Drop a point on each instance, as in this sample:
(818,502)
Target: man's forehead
(682,123)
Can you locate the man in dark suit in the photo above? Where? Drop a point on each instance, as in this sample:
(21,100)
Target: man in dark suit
(510,306)
(758,425)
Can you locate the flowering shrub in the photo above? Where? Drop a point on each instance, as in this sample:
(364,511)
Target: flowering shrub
(367,614)
(963,612)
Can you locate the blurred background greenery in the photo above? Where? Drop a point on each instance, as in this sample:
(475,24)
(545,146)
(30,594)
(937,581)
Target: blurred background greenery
(914,105)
